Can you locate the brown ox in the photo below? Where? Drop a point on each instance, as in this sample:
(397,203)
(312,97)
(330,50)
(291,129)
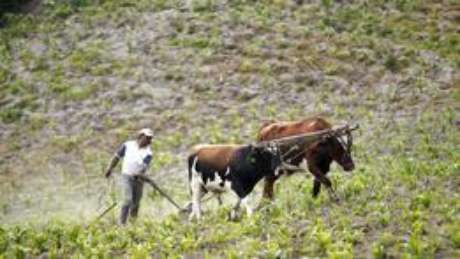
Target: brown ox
(318,155)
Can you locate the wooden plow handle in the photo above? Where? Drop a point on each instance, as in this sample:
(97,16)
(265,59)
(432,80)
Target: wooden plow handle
(163,193)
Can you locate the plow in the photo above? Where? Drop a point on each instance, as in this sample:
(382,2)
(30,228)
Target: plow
(155,186)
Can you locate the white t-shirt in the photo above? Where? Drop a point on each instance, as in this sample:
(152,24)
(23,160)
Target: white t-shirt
(135,159)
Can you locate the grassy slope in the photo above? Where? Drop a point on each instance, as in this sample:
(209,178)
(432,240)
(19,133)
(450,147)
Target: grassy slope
(75,82)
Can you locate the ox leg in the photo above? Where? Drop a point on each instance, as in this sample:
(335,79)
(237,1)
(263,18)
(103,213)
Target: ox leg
(316,188)
(196,206)
(267,192)
(219,199)
(197,194)
(245,202)
(322,179)
(269,183)
(234,212)
(332,195)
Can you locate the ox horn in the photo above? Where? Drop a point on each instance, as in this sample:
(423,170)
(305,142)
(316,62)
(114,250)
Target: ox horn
(349,140)
(353,127)
(350,136)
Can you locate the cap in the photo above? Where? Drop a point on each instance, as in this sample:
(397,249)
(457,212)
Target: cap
(146,132)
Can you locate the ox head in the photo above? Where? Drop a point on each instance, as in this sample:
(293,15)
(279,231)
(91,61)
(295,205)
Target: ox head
(266,156)
(339,147)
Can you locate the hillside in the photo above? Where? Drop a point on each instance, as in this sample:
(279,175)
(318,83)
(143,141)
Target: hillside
(78,78)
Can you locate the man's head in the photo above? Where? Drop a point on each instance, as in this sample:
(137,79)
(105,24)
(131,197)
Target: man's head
(144,137)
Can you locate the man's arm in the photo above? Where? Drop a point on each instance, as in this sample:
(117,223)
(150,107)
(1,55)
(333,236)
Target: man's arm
(146,163)
(113,163)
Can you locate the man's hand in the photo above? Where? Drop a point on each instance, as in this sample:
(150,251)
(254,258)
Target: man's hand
(108,173)
(112,165)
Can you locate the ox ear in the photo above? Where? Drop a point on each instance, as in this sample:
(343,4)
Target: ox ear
(326,137)
(354,127)
(253,151)
(252,148)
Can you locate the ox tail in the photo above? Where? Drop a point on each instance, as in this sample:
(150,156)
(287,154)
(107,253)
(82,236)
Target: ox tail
(192,160)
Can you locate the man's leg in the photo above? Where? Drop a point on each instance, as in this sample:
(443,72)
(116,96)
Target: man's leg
(127,189)
(138,190)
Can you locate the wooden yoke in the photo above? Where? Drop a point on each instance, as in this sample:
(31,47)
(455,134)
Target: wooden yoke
(301,142)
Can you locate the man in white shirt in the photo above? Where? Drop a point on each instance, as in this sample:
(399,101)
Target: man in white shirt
(136,155)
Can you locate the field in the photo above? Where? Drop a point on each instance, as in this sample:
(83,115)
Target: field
(79,77)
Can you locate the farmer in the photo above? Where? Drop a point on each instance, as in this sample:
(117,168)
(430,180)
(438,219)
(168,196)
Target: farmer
(136,156)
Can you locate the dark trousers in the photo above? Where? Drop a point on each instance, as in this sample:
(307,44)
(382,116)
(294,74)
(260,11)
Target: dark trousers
(132,193)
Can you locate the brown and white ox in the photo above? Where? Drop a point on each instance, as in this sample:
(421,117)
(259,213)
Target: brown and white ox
(229,168)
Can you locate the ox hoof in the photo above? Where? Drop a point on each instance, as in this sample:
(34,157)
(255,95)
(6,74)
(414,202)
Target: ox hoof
(194,218)
(233,215)
(187,208)
(335,199)
(263,204)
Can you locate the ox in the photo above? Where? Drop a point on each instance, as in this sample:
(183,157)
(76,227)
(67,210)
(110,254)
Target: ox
(219,168)
(317,156)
